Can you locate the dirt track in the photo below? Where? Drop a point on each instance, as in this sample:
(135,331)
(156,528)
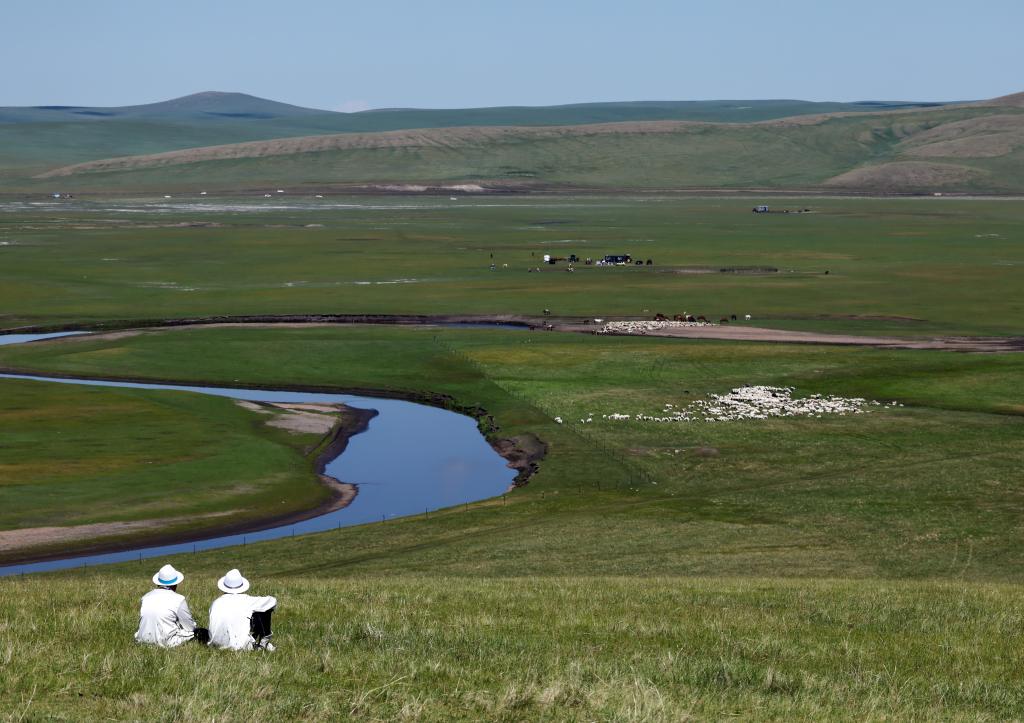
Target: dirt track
(782,336)
(735,332)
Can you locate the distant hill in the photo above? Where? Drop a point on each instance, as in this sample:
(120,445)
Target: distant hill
(195,107)
(973,147)
(214,105)
(37,138)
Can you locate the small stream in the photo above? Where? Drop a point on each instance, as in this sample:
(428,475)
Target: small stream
(411,459)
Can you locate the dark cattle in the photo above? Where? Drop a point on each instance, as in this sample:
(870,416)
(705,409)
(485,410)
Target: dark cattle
(702,318)
(690,319)
(660,317)
(649,262)
(733,317)
(678,317)
(639,262)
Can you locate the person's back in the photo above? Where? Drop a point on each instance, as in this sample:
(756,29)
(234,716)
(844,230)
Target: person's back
(239,621)
(164,617)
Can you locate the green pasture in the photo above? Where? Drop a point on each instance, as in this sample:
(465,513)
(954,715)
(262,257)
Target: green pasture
(849,567)
(511,648)
(904,267)
(790,155)
(928,490)
(137,464)
(34,140)
(864,566)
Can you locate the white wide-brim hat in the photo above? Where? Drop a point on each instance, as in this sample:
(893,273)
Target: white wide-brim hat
(233,583)
(167,576)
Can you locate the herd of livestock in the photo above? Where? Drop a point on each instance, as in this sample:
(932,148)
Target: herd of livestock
(750,402)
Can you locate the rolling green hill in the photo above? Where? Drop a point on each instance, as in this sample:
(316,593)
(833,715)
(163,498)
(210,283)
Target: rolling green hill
(36,139)
(975,148)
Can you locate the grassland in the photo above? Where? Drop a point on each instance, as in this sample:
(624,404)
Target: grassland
(862,567)
(509,649)
(927,490)
(100,466)
(35,140)
(847,567)
(901,267)
(965,149)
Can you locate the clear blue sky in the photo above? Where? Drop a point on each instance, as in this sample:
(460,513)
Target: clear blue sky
(346,55)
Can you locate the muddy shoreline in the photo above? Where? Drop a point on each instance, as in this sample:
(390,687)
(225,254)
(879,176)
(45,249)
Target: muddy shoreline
(522,453)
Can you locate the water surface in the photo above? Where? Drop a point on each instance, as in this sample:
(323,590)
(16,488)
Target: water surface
(411,459)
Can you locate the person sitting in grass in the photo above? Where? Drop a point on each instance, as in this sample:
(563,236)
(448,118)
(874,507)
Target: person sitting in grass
(239,621)
(164,617)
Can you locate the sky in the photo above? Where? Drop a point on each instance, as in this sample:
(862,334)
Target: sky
(349,56)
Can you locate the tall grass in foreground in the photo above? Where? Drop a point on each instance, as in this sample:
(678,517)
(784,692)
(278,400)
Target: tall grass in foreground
(525,649)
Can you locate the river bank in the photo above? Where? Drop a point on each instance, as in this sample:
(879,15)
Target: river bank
(566,324)
(521,455)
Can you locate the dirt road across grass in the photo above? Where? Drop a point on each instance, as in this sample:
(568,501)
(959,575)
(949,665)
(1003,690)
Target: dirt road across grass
(974,344)
(719,332)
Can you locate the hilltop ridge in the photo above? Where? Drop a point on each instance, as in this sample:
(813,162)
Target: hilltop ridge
(974,147)
(971,147)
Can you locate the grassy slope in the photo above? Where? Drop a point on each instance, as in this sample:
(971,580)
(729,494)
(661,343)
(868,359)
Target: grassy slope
(524,649)
(76,456)
(929,490)
(33,140)
(900,267)
(507,612)
(772,155)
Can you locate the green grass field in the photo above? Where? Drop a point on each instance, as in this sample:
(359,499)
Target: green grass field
(959,149)
(844,567)
(34,140)
(662,594)
(903,267)
(135,464)
(927,490)
(511,649)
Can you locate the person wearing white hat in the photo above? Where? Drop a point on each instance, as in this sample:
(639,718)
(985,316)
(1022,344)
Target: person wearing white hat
(164,617)
(239,621)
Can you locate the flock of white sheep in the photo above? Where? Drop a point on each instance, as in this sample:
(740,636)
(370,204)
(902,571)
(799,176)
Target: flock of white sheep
(753,402)
(642,327)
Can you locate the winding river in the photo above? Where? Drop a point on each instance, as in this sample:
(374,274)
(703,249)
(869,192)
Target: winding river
(411,459)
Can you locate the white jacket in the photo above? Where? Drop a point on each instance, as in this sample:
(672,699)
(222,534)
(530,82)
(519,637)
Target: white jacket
(164,619)
(230,616)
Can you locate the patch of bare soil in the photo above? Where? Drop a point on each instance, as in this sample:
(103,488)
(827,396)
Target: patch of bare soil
(252,406)
(302,419)
(985,137)
(905,176)
(38,536)
(753,333)
(1014,100)
(523,453)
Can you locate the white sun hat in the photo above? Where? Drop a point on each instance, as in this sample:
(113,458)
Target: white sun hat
(233,583)
(167,576)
